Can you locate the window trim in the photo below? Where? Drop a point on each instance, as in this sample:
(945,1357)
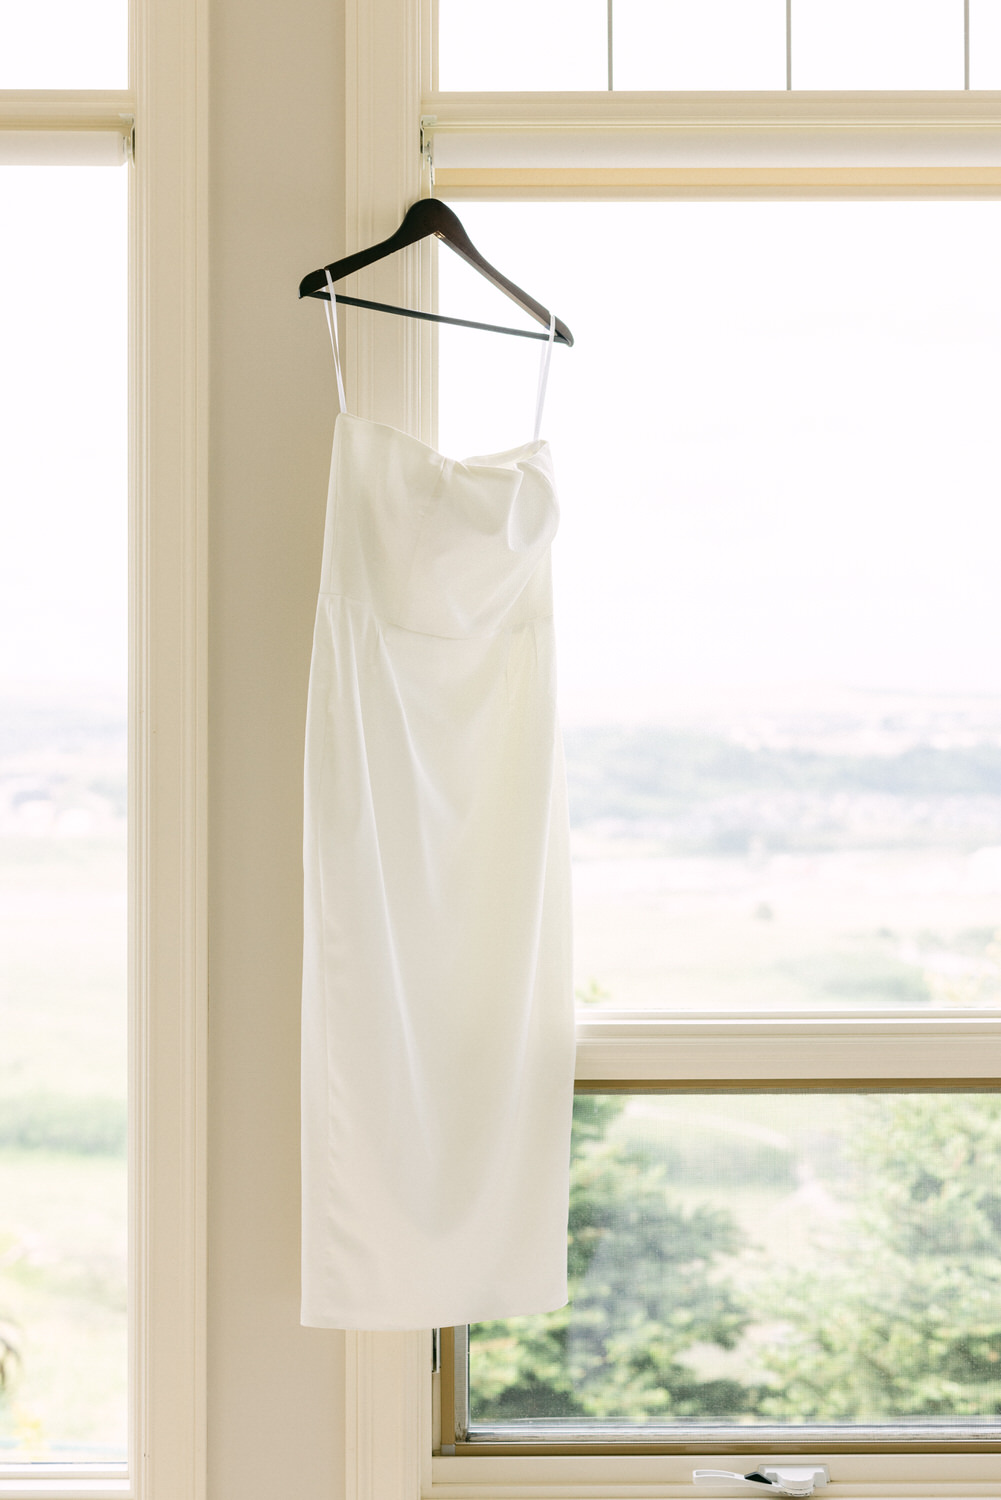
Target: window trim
(168,389)
(493,1440)
(170,673)
(392,1399)
(725,145)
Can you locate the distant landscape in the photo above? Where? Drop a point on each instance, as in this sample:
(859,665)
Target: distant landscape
(62,1077)
(693,793)
(816,863)
(821,862)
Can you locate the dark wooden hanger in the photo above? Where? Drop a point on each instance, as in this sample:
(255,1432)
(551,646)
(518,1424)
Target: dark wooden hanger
(431,216)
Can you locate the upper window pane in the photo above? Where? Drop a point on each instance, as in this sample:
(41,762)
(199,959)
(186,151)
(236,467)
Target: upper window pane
(699,44)
(63,669)
(522,45)
(985,44)
(64,44)
(777,604)
(877,44)
(716,44)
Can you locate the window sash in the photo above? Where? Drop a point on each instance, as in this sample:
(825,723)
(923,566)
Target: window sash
(389,60)
(167,745)
(936,1048)
(458,1435)
(718,145)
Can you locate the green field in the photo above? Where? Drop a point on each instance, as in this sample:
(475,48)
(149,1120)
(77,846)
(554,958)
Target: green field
(713,876)
(708,876)
(62,1145)
(873,929)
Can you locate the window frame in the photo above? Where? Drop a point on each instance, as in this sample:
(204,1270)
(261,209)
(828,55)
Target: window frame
(933,145)
(162,118)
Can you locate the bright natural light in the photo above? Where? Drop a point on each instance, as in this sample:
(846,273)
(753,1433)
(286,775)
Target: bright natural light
(777,609)
(64,44)
(877,44)
(63,677)
(985,44)
(717,44)
(526,44)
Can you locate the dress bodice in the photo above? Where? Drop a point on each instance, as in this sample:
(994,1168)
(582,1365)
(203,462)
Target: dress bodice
(436,545)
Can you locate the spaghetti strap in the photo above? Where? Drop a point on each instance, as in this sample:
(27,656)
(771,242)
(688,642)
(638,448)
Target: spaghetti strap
(547,354)
(331,310)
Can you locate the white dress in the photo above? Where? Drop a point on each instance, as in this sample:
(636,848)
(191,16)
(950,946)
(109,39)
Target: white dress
(437,1022)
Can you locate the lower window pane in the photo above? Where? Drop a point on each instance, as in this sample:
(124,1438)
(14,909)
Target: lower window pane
(63,643)
(767,1260)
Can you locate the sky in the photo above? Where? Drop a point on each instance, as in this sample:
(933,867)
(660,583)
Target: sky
(64,44)
(63,426)
(775,440)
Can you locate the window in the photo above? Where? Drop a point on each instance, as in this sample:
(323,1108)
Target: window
(101,155)
(845,1017)
(719,44)
(761,650)
(64,633)
(774,618)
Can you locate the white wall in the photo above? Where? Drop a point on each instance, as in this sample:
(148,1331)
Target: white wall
(275,1423)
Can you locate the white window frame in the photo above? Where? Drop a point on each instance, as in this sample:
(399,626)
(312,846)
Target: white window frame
(166,105)
(895,145)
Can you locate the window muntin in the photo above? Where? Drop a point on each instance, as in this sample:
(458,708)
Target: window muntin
(763,1267)
(718,44)
(63,686)
(776,614)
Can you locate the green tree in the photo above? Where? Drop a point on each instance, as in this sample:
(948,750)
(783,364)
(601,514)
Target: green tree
(910,1325)
(643,1291)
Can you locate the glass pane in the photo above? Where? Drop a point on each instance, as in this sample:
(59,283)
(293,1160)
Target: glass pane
(777,604)
(523,44)
(877,44)
(63,646)
(64,44)
(985,44)
(699,44)
(767,1260)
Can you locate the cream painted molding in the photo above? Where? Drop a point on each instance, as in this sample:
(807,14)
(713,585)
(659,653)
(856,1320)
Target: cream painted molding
(388,359)
(662,183)
(683,1050)
(167,751)
(388,364)
(692,145)
(715,110)
(83,127)
(65,109)
(169,665)
(387,1425)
